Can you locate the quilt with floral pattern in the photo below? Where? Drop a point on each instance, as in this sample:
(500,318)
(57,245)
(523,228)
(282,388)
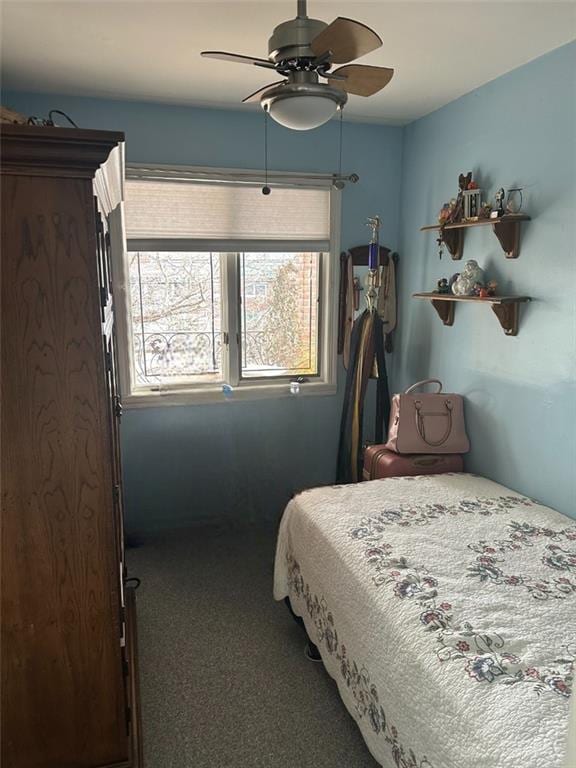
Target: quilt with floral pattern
(445,609)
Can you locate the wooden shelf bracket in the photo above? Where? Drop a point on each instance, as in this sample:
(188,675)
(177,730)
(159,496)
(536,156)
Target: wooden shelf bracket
(445,310)
(507,315)
(506,229)
(454,241)
(506,308)
(508,234)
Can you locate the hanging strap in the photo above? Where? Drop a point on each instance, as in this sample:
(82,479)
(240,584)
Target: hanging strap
(349,311)
(366,348)
(382,392)
(343,473)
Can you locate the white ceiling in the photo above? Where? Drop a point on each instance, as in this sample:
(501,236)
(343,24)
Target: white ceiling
(149,51)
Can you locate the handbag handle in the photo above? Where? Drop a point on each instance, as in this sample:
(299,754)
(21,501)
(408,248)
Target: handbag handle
(421,383)
(421,429)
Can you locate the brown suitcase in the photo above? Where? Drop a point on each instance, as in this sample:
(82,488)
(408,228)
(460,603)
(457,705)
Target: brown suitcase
(379,462)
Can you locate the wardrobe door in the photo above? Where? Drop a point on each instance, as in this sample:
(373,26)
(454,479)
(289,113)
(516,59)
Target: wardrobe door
(127,601)
(64,703)
(109,345)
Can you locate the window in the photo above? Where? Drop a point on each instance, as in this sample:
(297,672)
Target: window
(222,285)
(176,304)
(279,299)
(177,315)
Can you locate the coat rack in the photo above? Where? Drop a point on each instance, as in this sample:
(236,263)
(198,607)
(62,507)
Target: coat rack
(359,256)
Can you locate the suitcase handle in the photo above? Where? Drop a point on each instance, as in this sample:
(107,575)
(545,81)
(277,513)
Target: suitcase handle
(431,462)
(422,383)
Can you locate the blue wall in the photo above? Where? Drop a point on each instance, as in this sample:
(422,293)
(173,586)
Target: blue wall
(236,460)
(518,130)
(244,459)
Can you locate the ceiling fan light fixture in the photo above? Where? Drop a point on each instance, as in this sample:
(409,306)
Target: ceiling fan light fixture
(302,107)
(302,113)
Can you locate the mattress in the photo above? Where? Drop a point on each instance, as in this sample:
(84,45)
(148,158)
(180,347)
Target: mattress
(444,607)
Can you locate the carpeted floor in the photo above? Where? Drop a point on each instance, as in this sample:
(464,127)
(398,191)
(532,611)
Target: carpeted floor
(224,681)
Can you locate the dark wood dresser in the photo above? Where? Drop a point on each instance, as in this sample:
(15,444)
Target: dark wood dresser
(69,677)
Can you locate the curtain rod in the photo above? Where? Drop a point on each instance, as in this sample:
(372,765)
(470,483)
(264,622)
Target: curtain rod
(189,173)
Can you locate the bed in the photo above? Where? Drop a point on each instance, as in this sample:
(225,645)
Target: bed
(444,607)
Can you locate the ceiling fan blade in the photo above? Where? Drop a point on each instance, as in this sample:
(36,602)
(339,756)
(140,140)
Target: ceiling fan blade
(256,95)
(346,39)
(361,79)
(239,59)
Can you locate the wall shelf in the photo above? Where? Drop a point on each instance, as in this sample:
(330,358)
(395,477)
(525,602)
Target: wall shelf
(506,229)
(506,308)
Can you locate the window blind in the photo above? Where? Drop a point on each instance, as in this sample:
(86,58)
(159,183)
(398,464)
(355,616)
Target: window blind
(166,209)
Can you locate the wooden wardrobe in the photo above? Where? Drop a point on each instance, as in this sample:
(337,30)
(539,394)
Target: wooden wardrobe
(69,679)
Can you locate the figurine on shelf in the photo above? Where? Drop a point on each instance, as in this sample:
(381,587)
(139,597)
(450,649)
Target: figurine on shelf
(499,210)
(468,278)
(443,286)
(471,204)
(514,200)
(446,215)
(464,286)
(471,197)
(485,211)
(467,189)
(464,181)
(478,288)
(486,291)
(450,213)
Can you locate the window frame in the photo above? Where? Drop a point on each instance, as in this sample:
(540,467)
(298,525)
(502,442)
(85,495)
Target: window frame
(245,388)
(237,375)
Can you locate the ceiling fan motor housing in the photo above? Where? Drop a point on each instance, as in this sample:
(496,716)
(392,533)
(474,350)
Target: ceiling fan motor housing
(292,39)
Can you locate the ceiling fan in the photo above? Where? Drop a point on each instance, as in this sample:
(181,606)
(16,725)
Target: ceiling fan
(303,50)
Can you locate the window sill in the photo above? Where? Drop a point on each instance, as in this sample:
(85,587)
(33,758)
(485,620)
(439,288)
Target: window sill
(247,392)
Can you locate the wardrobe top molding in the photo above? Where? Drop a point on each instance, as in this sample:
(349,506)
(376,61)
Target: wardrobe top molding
(46,151)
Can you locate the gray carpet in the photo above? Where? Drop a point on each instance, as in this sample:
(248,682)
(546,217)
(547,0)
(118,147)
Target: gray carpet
(224,681)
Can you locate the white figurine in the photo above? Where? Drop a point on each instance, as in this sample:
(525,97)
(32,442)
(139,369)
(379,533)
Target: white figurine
(467,279)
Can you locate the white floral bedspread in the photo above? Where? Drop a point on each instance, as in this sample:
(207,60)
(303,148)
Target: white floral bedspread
(445,609)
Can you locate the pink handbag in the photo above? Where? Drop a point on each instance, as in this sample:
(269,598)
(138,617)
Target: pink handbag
(427,423)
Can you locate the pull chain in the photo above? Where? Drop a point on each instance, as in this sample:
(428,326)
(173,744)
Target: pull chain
(340,143)
(338,183)
(266,189)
